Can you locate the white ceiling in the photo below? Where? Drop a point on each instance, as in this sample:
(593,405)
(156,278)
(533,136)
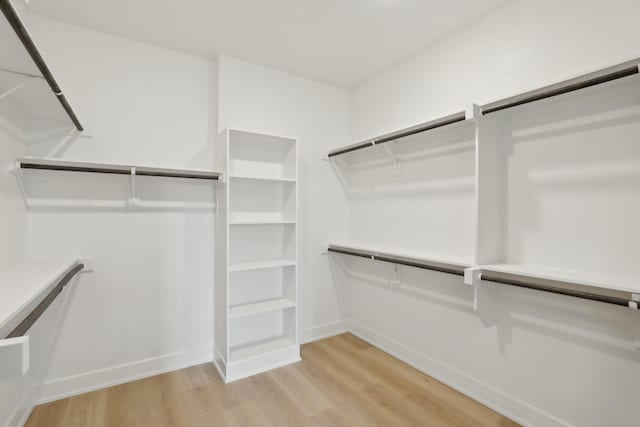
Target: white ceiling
(341,42)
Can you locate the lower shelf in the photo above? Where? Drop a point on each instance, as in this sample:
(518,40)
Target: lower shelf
(255,358)
(243,310)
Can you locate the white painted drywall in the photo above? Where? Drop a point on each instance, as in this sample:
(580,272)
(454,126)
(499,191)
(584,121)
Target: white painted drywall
(550,360)
(147,306)
(262,100)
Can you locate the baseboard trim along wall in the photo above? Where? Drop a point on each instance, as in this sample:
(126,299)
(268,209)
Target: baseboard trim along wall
(497,400)
(319,332)
(120,374)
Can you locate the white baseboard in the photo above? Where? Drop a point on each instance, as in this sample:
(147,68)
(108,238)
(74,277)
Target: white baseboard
(23,410)
(497,400)
(101,378)
(319,332)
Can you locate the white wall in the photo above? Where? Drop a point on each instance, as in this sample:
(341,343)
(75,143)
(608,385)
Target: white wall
(550,360)
(522,45)
(258,99)
(148,304)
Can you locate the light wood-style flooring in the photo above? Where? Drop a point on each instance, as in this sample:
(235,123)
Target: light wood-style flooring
(341,381)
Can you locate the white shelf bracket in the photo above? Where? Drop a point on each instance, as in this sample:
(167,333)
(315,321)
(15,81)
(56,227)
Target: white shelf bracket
(634,305)
(14,353)
(392,158)
(472,112)
(395,281)
(17,172)
(134,200)
(485,296)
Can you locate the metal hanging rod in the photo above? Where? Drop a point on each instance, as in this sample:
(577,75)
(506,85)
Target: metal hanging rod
(434,124)
(21,31)
(58,165)
(558,287)
(442,266)
(32,317)
(626,69)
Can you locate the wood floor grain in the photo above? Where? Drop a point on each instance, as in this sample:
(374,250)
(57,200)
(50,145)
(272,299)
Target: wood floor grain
(341,381)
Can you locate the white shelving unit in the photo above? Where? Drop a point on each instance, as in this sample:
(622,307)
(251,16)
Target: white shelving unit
(256,271)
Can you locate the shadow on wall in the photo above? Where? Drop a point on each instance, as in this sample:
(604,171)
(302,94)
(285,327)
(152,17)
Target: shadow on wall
(589,324)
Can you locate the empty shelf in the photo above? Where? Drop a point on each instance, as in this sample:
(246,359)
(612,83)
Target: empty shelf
(257,265)
(244,310)
(263,178)
(262,222)
(259,349)
(24,285)
(402,258)
(69,166)
(598,282)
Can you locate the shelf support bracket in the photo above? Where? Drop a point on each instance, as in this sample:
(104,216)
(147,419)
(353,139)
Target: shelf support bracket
(17,172)
(473,112)
(634,305)
(485,296)
(394,161)
(134,200)
(14,353)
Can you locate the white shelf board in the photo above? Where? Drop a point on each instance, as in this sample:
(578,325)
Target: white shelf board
(263,178)
(580,278)
(24,285)
(258,265)
(262,222)
(407,253)
(244,310)
(258,350)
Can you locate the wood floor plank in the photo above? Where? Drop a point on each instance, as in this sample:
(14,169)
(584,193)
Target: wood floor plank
(342,381)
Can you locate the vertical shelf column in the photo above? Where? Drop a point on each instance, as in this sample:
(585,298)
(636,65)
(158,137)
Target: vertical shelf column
(256,283)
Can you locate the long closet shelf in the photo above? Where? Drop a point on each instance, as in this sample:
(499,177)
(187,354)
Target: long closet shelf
(260,265)
(625,69)
(23,35)
(411,260)
(597,287)
(27,289)
(244,310)
(69,166)
(423,127)
(261,348)
(262,178)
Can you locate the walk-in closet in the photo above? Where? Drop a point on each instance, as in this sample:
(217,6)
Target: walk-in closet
(319,213)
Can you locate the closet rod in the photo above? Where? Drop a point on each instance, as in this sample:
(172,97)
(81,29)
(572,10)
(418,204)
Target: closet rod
(441,266)
(434,124)
(523,283)
(56,165)
(32,317)
(21,31)
(626,69)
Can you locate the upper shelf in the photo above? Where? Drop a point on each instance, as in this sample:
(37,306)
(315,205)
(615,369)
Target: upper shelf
(24,285)
(625,69)
(596,282)
(16,39)
(411,260)
(59,165)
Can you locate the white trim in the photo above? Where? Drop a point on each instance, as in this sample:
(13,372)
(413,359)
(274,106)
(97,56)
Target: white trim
(94,380)
(23,411)
(514,409)
(319,332)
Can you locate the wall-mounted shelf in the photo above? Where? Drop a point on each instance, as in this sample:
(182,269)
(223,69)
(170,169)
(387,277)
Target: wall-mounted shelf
(596,287)
(626,69)
(261,178)
(69,166)
(28,289)
(451,267)
(17,66)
